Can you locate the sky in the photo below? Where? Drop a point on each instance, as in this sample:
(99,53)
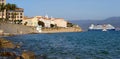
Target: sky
(70,9)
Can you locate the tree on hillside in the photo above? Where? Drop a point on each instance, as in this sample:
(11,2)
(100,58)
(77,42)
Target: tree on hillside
(41,23)
(2,8)
(69,24)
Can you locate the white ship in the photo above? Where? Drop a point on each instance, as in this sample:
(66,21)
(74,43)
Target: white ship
(105,27)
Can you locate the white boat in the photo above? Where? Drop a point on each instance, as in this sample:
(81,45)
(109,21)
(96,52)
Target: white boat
(105,27)
(104,30)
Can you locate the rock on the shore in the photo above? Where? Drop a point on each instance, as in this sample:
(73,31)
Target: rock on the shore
(6,43)
(28,55)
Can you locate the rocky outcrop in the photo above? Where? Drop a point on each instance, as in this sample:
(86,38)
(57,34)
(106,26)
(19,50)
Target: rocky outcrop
(6,43)
(28,55)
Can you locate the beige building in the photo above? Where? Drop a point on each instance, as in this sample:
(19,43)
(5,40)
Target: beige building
(35,20)
(30,21)
(4,13)
(45,21)
(18,14)
(60,22)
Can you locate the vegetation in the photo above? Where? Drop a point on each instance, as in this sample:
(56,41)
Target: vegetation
(18,21)
(69,24)
(8,7)
(25,23)
(72,25)
(53,26)
(2,8)
(13,15)
(41,23)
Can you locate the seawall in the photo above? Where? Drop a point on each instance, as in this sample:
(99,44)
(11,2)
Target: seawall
(57,30)
(7,29)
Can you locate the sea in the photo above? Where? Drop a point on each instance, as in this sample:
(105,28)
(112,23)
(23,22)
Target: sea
(72,45)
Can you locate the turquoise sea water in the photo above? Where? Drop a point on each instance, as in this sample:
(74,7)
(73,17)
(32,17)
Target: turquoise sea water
(78,45)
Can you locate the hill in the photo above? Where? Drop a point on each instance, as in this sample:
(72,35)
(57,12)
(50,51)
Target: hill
(115,21)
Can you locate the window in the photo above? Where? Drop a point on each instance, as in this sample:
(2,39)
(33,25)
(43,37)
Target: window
(9,13)
(20,13)
(20,16)
(9,16)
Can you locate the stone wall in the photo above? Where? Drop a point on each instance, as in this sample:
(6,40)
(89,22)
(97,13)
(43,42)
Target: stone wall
(55,30)
(15,29)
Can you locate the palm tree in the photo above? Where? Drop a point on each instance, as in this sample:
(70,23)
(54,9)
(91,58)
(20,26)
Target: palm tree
(13,8)
(2,8)
(14,15)
(10,7)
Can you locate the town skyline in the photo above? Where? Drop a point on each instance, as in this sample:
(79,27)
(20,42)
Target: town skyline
(70,10)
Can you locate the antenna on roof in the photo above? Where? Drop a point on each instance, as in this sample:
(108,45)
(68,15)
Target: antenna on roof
(46,16)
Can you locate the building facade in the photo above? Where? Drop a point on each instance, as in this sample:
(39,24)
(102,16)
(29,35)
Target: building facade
(45,22)
(3,13)
(60,22)
(34,21)
(18,14)
(30,21)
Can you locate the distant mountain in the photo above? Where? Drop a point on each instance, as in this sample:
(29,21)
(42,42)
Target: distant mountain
(113,18)
(115,21)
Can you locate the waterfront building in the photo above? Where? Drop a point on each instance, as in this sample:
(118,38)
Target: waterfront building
(18,14)
(4,12)
(36,21)
(60,22)
(30,21)
(45,21)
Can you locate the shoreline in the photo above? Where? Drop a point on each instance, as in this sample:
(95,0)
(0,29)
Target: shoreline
(7,29)
(1,36)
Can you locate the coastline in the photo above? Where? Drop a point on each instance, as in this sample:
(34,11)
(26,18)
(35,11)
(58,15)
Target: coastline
(59,30)
(7,29)
(43,32)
